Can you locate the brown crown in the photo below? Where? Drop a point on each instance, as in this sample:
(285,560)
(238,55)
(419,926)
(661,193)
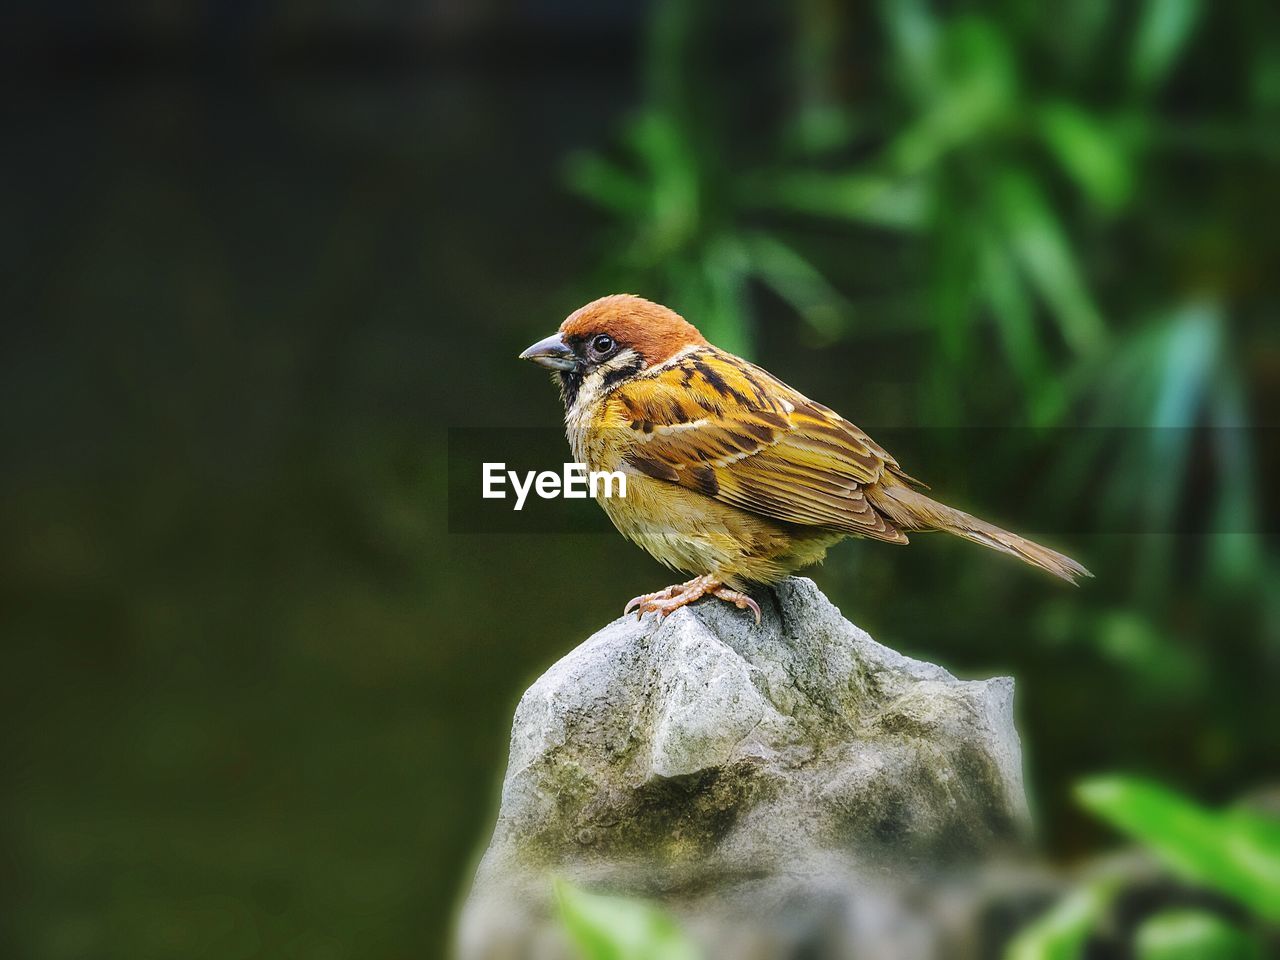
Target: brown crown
(652,330)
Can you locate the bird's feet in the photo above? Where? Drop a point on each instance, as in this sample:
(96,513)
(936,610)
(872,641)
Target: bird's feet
(667,601)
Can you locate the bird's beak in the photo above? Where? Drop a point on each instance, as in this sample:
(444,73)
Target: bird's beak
(552,353)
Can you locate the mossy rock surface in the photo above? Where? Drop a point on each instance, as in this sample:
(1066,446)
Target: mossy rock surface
(726,768)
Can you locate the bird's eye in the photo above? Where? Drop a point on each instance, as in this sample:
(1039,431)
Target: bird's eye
(602,344)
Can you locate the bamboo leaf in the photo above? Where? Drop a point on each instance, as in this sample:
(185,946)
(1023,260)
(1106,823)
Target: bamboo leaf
(1193,935)
(798,282)
(1163,30)
(1093,155)
(1011,307)
(881,201)
(913,31)
(1235,852)
(1042,248)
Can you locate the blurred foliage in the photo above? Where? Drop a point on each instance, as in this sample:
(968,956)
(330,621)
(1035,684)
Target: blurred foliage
(1175,934)
(1044,222)
(257,694)
(988,150)
(620,928)
(967,164)
(1234,852)
(1063,931)
(1193,935)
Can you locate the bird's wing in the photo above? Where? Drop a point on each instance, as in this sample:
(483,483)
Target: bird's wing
(719,425)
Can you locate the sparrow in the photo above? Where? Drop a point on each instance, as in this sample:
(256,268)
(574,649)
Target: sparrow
(732,475)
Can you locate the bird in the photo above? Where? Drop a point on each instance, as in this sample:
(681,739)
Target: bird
(733,476)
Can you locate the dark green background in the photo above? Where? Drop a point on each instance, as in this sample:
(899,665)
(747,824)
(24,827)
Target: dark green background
(258,262)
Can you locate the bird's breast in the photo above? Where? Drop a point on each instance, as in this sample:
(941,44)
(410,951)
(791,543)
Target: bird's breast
(592,442)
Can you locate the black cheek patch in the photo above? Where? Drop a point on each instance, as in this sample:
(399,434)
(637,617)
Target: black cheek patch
(570,384)
(622,373)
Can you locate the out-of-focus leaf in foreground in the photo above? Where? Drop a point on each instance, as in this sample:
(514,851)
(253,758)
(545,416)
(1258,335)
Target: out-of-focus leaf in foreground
(1234,851)
(1193,935)
(620,928)
(1060,933)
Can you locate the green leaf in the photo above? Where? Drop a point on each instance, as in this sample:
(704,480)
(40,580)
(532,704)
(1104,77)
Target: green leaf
(800,283)
(952,294)
(619,928)
(913,31)
(724,270)
(1235,852)
(881,201)
(1093,155)
(1161,668)
(1193,935)
(598,180)
(1162,32)
(1060,933)
(977,92)
(1042,248)
(673,167)
(1184,361)
(1235,549)
(1011,307)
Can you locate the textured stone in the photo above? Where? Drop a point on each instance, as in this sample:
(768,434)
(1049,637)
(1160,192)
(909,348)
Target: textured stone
(746,774)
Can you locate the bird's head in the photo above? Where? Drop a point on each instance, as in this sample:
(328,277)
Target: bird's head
(610,340)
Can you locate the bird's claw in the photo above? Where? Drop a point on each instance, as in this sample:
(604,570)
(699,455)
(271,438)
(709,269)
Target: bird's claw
(666,602)
(648,602)
(739,600)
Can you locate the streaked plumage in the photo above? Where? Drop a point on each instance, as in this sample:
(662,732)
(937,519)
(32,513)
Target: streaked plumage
(734,476)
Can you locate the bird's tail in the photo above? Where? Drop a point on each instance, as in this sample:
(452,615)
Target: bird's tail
(913,511)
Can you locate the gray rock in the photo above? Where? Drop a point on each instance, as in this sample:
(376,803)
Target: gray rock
(782,783)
